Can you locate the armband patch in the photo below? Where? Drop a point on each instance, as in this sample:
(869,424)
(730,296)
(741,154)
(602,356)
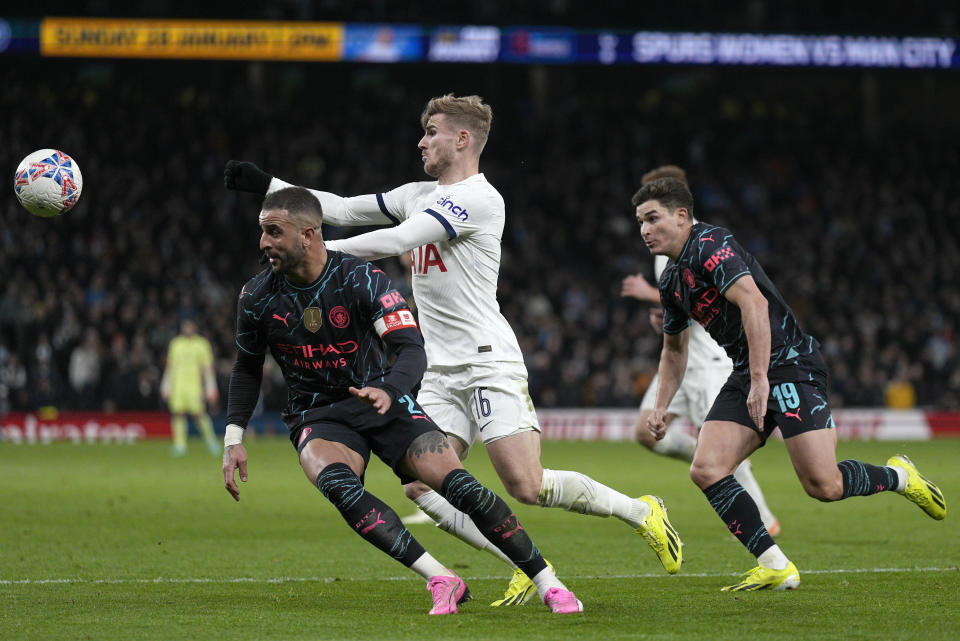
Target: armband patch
(399,319)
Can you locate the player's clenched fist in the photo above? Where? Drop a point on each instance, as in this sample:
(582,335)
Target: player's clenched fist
(241,175)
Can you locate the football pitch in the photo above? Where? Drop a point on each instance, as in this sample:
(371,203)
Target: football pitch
(124,542)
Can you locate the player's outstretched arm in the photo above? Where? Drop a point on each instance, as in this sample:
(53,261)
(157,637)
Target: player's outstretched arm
(242,175)
(673,364)
(234,459)
(415,231)
(754,314)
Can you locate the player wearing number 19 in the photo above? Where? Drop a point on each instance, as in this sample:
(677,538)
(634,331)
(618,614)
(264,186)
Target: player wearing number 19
(323,316)
(778,379)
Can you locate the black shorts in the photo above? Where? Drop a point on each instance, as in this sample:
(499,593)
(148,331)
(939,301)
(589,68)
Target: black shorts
(358,426)
(797,402)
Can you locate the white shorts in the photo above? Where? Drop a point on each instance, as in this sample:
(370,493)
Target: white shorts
(485,400)
(696,394)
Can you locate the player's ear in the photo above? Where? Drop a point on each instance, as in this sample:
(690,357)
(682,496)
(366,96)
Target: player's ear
(463,139)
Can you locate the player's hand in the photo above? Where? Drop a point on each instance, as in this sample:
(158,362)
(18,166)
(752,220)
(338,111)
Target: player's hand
(757,400)
(241,175)
(375,396)
(638,287)
(656,319)
(234,457)
(657,423)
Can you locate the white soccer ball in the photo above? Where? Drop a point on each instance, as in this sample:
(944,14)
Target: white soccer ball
(48,183)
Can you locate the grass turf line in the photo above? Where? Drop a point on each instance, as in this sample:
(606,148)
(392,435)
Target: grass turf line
(131,512)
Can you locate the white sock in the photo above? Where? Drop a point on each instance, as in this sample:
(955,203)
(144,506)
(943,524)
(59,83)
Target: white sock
(901,478)
(774,558)
(576,492)
(428,567)
(450,519)
(545,580)
(744,476)
(677,443)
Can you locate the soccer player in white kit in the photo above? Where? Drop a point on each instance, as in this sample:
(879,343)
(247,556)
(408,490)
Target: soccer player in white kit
(708,368)
(475,385)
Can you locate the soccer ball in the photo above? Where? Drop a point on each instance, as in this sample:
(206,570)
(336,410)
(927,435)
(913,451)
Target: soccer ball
(48,183)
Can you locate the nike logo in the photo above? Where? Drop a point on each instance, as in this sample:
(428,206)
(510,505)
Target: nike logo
(485,424)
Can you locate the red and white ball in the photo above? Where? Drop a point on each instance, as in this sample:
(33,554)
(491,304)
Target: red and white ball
(48,183)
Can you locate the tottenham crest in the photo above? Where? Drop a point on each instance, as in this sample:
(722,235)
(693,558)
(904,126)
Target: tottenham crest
(312,318)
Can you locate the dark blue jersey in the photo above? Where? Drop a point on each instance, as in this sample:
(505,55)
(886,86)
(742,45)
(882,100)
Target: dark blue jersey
(693,287)
(325,336)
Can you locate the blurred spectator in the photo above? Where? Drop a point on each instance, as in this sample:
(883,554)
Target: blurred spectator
(85,370)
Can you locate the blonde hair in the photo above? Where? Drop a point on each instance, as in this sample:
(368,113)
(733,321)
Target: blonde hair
(664,171)
(468,112)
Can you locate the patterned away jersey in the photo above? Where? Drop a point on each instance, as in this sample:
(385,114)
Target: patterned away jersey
(454,281)
(693,287)
(703,352)
(324,336)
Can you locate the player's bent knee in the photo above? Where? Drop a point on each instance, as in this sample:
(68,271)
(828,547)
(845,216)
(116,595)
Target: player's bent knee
(704,475)
(415,490)
(525,491)
(824,489)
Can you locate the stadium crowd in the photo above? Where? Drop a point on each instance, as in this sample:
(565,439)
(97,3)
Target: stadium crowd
(840,183)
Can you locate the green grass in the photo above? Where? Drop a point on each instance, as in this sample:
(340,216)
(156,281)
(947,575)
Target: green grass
(123,542)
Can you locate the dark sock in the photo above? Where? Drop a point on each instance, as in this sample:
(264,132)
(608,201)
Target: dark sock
(494,519)
(863,479)
(370,517)
(738,510)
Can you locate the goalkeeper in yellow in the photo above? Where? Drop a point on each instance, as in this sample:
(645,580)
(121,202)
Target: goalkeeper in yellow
(187,380)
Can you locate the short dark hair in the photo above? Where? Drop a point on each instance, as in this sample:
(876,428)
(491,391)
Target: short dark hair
(298,202)
(664,171)
(672,193)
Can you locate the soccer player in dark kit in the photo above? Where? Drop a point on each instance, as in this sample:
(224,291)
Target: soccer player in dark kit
(778,379)
(323,316)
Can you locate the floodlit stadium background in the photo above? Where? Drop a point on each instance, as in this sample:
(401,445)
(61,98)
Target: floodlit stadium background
(823,139)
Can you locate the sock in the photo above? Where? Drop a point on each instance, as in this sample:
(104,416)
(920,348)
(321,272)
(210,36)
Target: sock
(863,479)
(744,476)
(178,423)
(451,520)
(205,425)
(428,567)
(676,443)
(546,579)
(370,517)
(737,509)
(494,519)
(576,492)
(774,558)
(901,479)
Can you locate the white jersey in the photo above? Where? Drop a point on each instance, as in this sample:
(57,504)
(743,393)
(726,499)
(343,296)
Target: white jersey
(455,279)
(703,351)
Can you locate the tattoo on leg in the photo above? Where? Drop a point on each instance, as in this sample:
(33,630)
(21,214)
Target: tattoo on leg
(432,442)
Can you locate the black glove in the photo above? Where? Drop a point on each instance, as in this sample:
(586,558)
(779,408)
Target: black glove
(240,175)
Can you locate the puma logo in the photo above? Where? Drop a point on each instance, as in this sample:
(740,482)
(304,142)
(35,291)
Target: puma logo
(735,524)
(795,415)
(710,238)
(283,320)
(367,518)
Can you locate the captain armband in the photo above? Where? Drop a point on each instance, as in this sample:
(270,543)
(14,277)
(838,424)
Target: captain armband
(399,319)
